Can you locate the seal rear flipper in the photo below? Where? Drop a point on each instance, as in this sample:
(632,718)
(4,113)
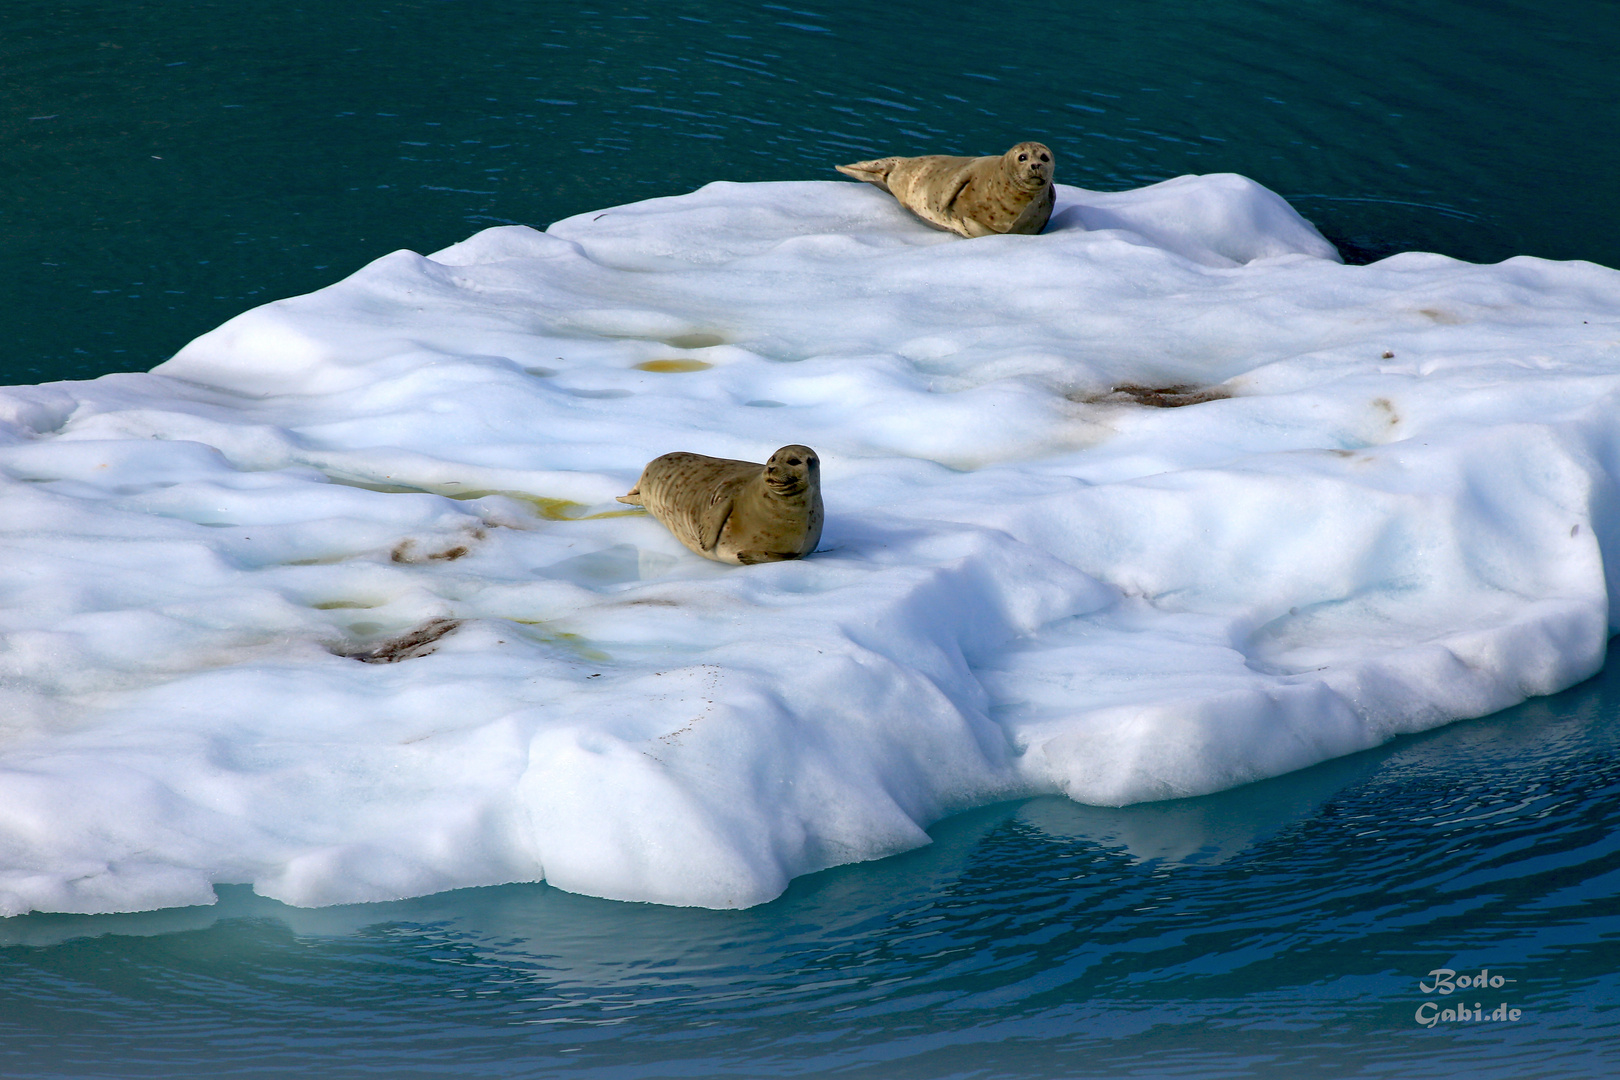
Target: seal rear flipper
(633,496)
(874,172)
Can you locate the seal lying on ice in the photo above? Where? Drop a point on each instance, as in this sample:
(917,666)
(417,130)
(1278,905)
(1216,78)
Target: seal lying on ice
(971,196)
(736,511)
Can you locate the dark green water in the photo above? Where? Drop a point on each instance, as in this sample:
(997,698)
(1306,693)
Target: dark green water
(165,165)
(1278,930)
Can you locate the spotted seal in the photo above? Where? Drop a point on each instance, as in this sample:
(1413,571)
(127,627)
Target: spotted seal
(736,511)
(972,196)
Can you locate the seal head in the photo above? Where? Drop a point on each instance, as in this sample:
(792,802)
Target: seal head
(793,470)
(1029,165)
(736,511)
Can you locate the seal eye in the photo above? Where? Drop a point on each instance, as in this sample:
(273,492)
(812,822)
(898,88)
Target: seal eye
(794,461)
(1046,157)
(1023,157)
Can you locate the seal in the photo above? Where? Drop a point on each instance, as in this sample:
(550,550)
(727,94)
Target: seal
(981,196)
(736,511)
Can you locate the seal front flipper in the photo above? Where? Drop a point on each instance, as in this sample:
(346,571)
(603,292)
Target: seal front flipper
(1034,217)
(750,558)
(714,521)
(948,204)
(957,219)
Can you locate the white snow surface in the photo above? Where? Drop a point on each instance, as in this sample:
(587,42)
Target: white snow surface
(1403,513)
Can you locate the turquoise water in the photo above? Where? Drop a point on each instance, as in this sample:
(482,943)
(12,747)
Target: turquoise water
(169,164)
(1281,929)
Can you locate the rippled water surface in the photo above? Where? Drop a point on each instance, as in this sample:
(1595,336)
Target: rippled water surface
(1282,929)
(169,163)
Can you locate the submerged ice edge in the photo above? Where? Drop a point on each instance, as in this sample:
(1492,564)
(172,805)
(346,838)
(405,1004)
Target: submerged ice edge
(338,602)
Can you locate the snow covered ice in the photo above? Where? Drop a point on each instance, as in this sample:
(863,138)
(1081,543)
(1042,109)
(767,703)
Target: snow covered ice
(1386,501)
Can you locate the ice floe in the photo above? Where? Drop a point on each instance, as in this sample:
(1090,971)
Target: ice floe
(338,601)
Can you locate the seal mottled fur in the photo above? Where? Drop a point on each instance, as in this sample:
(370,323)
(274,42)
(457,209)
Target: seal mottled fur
(980,196)
(736,511)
